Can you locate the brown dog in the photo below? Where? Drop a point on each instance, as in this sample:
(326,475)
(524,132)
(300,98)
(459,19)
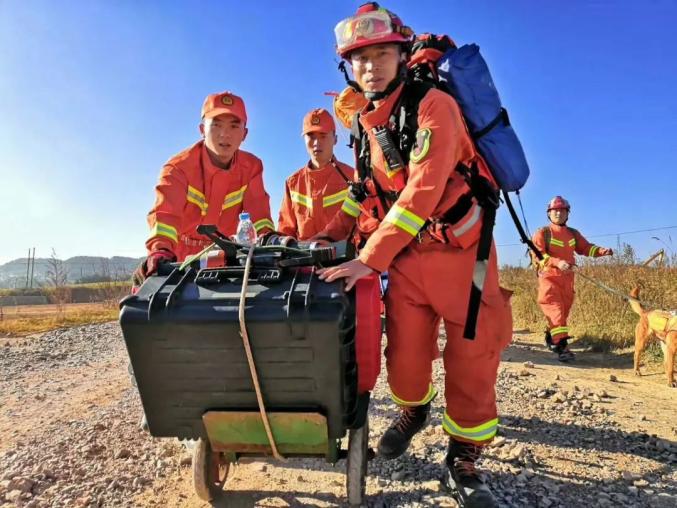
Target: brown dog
(660,324)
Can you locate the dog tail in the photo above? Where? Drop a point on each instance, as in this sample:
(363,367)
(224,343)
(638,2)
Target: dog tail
(634,302)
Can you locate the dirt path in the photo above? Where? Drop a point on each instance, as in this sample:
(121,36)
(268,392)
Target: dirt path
(570,435)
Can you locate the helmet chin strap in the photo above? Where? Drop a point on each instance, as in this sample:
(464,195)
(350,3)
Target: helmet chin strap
(375,96)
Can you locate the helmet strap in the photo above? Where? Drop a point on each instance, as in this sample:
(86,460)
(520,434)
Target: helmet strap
(351,82)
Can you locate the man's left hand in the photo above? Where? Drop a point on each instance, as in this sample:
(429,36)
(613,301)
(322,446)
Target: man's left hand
(603,251)
(352,271)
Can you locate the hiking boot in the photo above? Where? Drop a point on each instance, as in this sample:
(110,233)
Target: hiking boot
(561,349)
(548,340)
(396,439)
(464,481)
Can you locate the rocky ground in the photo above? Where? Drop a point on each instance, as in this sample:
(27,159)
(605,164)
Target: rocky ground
(589,434)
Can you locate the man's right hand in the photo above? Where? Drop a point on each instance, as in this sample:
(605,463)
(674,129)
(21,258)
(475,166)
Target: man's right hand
(150,265)
(563,265)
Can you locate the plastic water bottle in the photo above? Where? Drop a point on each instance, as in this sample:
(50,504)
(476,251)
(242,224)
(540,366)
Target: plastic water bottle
(245,233)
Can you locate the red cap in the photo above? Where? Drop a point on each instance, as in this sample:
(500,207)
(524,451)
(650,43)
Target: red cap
(224,103)
(318,120)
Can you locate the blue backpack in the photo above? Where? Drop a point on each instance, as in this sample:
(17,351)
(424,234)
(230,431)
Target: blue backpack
(436,62)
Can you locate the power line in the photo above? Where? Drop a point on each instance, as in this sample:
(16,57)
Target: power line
(604,234)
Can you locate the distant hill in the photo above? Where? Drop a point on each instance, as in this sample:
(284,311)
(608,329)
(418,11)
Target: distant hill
(76,268)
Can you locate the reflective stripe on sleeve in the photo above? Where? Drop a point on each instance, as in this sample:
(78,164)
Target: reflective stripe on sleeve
(162,229)
(351,207)
(404,219)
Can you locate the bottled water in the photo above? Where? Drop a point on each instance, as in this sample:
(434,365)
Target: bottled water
(245,234)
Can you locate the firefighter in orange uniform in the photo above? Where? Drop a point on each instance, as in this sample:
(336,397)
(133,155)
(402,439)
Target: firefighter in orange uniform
(559,244)
(314,194)
(209,183)
(429,278)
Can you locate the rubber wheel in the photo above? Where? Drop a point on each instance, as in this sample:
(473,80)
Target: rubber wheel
(356,466)
(210,471)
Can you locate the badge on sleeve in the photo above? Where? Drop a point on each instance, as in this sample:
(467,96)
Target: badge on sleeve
(421,146)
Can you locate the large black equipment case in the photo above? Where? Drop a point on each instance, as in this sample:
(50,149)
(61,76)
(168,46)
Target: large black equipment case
(183,338)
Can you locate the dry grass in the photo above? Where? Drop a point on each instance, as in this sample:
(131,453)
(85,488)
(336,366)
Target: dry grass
(24,320)
(598,317)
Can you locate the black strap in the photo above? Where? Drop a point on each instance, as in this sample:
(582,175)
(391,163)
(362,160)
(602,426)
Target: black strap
(523,236)
(479,272)
(501,117)
(343,175)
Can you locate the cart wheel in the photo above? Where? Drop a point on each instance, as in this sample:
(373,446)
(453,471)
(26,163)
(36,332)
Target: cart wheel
(356,467)
(210,470)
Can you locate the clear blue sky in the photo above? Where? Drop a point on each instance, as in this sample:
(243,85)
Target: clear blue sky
(96,95)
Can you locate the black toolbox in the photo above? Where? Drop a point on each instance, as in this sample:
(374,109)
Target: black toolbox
(183,338)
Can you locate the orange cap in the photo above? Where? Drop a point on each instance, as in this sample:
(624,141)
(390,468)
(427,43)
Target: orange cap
(224,103)
(318,120)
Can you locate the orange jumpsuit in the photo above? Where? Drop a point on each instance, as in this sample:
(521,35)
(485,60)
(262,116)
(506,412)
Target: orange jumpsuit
(556,287)
(193,191)
(428,279)
(311,198)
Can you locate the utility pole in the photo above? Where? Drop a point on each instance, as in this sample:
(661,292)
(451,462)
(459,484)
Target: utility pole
(28,265)
(32,266)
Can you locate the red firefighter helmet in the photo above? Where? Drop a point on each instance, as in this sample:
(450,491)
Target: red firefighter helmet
(557,203)
(370,25)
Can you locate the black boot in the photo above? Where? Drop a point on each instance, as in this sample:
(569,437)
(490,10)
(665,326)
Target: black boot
(548,340)
(396,439)
(464,481)
(561,349)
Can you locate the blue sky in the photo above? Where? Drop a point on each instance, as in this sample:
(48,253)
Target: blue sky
(95,96)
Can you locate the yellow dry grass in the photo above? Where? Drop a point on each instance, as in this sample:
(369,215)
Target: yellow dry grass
(24,320)
(597,317)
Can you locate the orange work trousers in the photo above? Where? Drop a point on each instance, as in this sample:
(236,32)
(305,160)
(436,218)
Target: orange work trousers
(429,282)
(556,297)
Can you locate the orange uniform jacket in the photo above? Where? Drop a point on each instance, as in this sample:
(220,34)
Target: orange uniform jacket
(433,186)
(430,280)
(556,287)
(563,243)
(193,191)
(311,199)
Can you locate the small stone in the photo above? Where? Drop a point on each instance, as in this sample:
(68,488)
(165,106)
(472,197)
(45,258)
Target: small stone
(642,418)
(640,483)
(559,398)
(628,476)
(431,485)
(529,365)
(123,453)
(613,378)
(398,475)
(633,489)
(13,496)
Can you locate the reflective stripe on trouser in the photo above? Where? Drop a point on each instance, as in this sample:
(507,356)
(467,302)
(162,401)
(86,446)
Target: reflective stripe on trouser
(429,395)
(555,298)
(425,282)
(479,433)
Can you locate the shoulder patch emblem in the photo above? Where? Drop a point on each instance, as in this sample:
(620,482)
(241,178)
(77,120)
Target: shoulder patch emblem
(422,145)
